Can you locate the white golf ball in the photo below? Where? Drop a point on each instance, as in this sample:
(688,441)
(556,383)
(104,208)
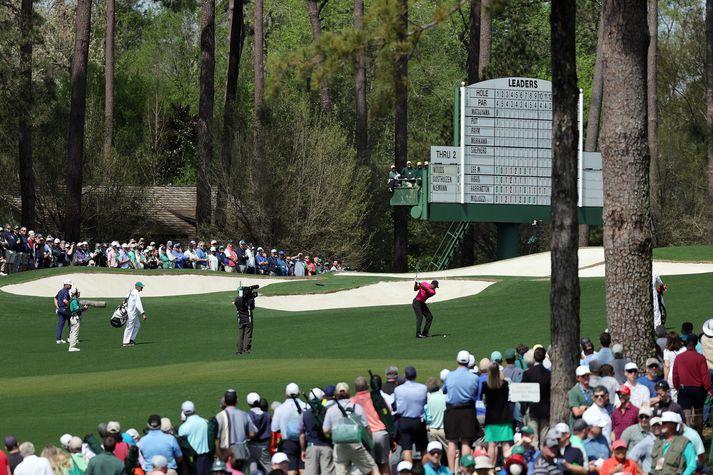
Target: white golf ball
(444,336)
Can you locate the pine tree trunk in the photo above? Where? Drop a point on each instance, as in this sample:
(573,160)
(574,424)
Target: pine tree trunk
(27,175)
(324,97)
(595,111)
(468,247)
(486,35)
(709,102)
(258,129)
(652,109)
(362,131)
(236,35)
(625,155)
(564,290)
(77,112)
(400,258)
(109,81)
(205,114)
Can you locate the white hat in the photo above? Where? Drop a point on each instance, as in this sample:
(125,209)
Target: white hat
(212,249)
(471,361)
(617,348)
(65,439)
(646,410)
(292,390)
(125,245)
(708,327)
(279,457)
(404,466)
(316,393)
(56,240)
(252,398)
(462,357)
(133,433)
(483,462)
(630,365)
(188,408)
(655,420)
(582,370)
(274,251)
(113,427)
(670,416)
(562,428)
(67,282)
(434,445)
(159,461)
(444,373)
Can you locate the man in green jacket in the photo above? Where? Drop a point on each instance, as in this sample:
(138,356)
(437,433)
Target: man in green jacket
(105,463)
(673,454)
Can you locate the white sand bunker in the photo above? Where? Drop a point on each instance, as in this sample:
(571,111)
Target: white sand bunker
(118,285)
(375,295)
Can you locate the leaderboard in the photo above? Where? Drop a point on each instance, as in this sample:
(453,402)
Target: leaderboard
(506,132)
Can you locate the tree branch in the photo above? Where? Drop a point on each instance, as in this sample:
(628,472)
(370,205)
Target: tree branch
(438,21)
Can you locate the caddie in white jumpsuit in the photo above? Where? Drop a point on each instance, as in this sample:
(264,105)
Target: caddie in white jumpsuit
(135,312)
(655,284)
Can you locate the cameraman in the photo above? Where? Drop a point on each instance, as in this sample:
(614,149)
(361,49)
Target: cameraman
(245,304)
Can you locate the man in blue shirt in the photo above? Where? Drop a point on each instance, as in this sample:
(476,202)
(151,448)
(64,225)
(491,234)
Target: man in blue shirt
(156,442)
(281,263)
(651,377)
(434,466)
(410,400)
(195,429)
(596,444)
(460,424)
(61,305)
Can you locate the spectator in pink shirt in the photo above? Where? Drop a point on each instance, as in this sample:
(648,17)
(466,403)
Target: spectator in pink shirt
(425,291)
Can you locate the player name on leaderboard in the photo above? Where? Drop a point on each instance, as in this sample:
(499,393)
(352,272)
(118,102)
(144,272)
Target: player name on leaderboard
(507,138)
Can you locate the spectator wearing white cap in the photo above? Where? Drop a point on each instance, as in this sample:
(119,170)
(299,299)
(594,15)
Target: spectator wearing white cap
(235,428)
(195,430)
(435,464)
(460,424)
(212,258)
(352,452)
(640,394)
(619,363)
(580,396)
(259,445)
(596,445)
(279,461)
(123,261)
(673,453)
(572,457)
(286,421)
(316,447)
(75,453)
(32,464)
(61,305)
(404,468)
(121,449)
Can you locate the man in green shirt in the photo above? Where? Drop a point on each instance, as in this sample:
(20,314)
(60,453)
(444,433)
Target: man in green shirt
(580,396)
(105,463)
(673,454)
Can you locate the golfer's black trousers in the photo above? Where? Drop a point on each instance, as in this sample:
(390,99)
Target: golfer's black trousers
(421,310)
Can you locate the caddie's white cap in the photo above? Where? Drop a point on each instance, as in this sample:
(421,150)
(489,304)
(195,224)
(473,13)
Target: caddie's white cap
(67,282)
(292,390)
(444,373)
(252,398)
(582,370)
(462,357)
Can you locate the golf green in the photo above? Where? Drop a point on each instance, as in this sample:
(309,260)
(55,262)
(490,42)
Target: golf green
(186,349)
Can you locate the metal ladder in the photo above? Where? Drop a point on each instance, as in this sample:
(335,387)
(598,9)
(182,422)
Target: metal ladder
(448,246)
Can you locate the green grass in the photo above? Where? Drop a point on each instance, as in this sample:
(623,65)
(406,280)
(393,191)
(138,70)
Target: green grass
(186,349)
(685,253)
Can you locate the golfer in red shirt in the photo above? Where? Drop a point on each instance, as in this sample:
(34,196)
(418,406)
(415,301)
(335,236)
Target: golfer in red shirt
(425,291)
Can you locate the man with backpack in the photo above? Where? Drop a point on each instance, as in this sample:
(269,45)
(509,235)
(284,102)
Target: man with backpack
(259,446)
(345,423)
(135,313)
(286,422)
(316,447)
(235,429)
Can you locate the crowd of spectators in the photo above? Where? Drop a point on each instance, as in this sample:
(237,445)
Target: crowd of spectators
(408,177)
(622,420)
(22,250)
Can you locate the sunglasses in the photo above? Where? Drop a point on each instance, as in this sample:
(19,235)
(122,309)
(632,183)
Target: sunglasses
(644,416)
(652,366)
(631,371)
(600,396)
(435,452)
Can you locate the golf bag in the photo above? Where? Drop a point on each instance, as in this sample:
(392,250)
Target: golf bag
(119,317)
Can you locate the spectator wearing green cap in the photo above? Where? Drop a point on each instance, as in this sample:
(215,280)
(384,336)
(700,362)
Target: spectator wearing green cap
(467,465)
(135,312)
(511,371)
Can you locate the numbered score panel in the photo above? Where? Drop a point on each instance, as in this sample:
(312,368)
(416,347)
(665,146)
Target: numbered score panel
(505,157)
